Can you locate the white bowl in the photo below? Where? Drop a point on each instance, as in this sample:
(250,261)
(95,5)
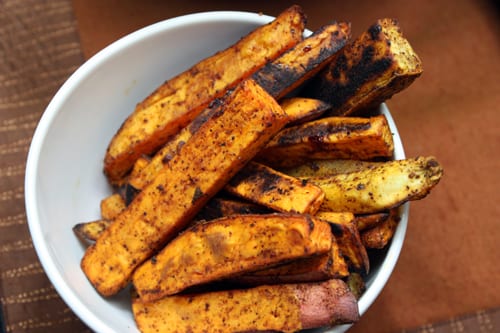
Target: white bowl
(64,180)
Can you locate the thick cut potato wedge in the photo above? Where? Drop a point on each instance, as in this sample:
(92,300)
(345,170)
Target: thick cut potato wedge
(369,70)
(280,308)
(179,100)
(218,150)
(379,236)
(380,188)
(261,184)
(329,138)
(302,61)
(346,232)
(227,247)
(330,265)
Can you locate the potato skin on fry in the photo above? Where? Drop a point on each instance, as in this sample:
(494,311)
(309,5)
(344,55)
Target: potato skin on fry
(218,150)
(368,71)
(281,308)
(227,247)
(379,188)
(179,100)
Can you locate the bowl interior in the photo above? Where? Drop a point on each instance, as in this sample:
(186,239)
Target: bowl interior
(64,179)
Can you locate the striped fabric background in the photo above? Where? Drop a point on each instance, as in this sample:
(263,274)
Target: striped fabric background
(39,49)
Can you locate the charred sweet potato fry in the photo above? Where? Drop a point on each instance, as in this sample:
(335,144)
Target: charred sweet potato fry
(330,265)
(276,308)
(218,150)
(380,188)
(379,236)
(220,207)
(275,190)
(367,221)
(227,247)
(177,102)
(329,138)
(369,70)
(302,61)
(346,232)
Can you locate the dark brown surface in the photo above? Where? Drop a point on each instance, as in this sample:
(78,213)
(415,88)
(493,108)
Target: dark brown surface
(449,263)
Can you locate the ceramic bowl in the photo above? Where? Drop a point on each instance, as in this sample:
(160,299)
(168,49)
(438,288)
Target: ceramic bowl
(64,179)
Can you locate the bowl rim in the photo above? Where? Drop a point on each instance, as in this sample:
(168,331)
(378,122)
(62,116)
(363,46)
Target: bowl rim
(72,83)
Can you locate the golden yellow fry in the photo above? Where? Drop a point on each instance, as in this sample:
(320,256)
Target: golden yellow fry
(380,188)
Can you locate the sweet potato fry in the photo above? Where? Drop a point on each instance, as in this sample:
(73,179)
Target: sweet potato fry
(356,284)
(302,61)
(329,138)
(346,232)
(275,190)
(297,109)
(367,221)
(227,247)
(112,206)
(385,186)
(371,69)
(249,118)
(330,265)
(177,102)
(88,232)
(280,308)
(301,109)
(220,207)
(379,236)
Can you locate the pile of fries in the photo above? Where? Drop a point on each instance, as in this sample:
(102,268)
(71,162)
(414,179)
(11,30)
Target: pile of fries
(251,188)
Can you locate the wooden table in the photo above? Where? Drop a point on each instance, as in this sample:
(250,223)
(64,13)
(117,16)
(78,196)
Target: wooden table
(446,277)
